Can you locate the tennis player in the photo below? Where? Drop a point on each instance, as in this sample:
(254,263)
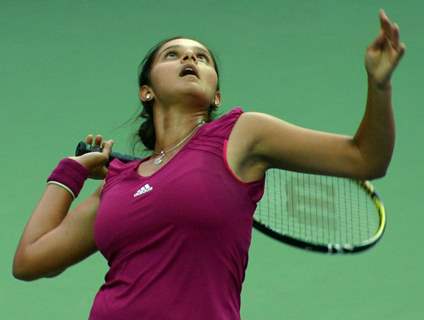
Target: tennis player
(175,227)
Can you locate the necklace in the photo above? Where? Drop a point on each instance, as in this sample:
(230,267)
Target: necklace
(162,154)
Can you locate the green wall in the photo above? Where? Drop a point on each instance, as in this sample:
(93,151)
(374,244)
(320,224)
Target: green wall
(68,68)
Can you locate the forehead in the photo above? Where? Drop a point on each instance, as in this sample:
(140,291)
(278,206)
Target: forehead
(186,43)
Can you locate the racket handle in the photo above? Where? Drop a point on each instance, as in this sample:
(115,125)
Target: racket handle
(83,148)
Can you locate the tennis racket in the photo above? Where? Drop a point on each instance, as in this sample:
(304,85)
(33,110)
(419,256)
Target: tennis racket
(319,213)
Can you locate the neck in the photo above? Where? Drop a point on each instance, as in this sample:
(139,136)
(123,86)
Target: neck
(174,123)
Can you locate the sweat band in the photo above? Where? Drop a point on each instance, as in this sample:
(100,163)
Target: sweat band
(70,175)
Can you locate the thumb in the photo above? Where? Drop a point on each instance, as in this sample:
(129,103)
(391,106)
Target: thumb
(107,148)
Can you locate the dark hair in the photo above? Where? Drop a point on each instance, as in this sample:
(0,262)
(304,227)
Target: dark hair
(146,131)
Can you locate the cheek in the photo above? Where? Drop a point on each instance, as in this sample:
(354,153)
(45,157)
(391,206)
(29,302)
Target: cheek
(158,77)
(163,74)
(212,80)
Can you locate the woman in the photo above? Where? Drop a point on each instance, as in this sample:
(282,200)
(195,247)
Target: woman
(175,227)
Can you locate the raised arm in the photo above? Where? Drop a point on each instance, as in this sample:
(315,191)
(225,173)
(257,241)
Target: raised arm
(366,155)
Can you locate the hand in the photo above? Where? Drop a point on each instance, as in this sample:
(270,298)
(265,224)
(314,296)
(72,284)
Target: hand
(384,54)
(96,161)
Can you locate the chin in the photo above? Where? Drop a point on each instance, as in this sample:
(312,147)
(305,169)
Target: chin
(196,96)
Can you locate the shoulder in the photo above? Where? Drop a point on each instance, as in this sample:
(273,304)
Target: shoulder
(249,127)
(244,137)
(224,122)
(117,167)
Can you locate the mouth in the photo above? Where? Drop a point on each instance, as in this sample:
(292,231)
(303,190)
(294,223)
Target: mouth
(189,70)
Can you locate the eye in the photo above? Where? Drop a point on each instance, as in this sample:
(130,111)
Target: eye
(203,57)
(170,54)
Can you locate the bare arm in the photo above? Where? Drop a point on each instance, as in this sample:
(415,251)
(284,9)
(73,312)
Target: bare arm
(375,137)
(54,238)
(366,155)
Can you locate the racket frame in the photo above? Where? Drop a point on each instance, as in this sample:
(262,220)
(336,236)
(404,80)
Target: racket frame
(334,248)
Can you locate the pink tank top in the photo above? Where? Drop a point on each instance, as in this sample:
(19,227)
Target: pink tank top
(176,242)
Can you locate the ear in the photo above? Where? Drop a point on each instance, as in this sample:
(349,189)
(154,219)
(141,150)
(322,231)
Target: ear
(217,98)
(145,93)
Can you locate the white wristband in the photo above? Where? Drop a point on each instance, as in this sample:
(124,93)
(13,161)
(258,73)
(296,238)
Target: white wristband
(63,186)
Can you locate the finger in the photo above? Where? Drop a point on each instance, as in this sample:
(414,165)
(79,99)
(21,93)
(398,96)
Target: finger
(384,19)
(402,48)
(396,37)
(398,56)
(89,139)
(401,51)
(385,24)
(98,140)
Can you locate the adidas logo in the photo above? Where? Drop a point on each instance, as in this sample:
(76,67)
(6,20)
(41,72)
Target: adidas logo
(144,189)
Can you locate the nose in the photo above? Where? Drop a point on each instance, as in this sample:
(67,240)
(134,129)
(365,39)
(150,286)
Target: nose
(189,54)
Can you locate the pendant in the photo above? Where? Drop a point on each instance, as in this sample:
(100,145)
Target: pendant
(160,158)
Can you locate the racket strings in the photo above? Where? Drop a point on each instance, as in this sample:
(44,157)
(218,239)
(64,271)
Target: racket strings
(314,208)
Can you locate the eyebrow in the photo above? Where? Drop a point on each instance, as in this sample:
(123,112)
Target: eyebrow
(178,46)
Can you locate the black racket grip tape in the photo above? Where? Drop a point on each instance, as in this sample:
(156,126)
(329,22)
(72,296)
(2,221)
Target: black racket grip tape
(83,148)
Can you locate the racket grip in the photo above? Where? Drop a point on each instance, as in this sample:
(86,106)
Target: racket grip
(83,148)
